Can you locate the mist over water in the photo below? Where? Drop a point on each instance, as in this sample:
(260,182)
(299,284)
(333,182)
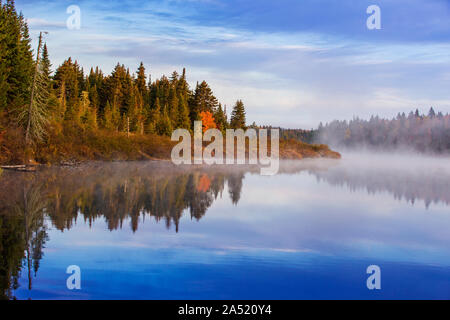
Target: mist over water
(404,175)
(150,230)
(424,133)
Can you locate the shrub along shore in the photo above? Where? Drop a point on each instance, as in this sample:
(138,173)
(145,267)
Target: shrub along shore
(71,144)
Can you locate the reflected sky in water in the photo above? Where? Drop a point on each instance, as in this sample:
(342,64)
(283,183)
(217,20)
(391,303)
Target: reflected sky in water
(152,231)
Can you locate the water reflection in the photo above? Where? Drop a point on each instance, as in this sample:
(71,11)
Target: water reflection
(114,192)
(132,192)
(23,235)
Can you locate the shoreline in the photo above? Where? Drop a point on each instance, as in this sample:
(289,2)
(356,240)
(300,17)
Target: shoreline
(71,147)
(34,167)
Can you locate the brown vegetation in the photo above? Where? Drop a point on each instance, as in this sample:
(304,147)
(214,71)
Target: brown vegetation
(74,144)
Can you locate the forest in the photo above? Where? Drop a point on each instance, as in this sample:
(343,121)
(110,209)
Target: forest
(69,114)
(50,107)
(425,133)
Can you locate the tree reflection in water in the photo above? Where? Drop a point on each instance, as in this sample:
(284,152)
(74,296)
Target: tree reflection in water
(115,192)
(121,192)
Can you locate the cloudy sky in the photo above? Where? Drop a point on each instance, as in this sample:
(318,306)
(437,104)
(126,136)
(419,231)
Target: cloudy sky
(294,63)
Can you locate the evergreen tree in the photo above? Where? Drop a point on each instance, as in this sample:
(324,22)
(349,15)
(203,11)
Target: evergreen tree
(183,87)
(34,116)
(432,113)
(4,56)
(46,73)
(203,101)
(164,125)
(173,105)
(153,118)
(141,80)
(68,87)
(221,119)
(238,116)
(16,63)
(183,120)
(111,117)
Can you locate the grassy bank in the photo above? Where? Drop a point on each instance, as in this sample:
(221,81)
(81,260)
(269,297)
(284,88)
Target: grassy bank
(74,144)
(295,149)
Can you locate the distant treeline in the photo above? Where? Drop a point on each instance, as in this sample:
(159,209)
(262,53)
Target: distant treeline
(419,132)
(307,136)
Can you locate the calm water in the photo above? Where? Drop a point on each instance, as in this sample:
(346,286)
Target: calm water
(152,231)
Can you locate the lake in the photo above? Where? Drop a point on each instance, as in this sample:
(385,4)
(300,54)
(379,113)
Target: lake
(150,230)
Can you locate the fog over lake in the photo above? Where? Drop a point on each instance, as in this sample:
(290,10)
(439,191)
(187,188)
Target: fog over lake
(150,230)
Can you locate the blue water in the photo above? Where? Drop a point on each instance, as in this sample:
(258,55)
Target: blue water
(308,233)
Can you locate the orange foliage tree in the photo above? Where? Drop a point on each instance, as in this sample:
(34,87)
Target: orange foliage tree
(204,183)
(207,120)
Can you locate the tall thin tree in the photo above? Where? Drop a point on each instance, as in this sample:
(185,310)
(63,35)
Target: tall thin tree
(36,114)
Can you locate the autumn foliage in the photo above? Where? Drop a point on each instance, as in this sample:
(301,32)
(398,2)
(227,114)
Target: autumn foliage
(204,183)
(207,120)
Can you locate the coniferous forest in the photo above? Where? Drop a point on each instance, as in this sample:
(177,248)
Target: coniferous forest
(66,110)
(53,114)
(427,133)
(56,113)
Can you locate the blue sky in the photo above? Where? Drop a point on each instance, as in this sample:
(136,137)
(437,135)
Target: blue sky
(294,63)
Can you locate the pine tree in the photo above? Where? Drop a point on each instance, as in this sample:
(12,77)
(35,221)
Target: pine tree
(16,63)
(141,80)
(432,113)
(183,120)
(85,106)
(111,117)
(174,78)
(34,117)
(164,125)
(238,116)
(183,87)
(203,100)
(46,75)
(46,64)
(67,84)
(4,56)
(221,119)
(153,118)
(173,105)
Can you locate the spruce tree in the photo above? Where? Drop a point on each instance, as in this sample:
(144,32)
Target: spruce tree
(203,101)
(183,120)
(221,119)
(164,125)
(16,63)
(46,73)
(173,105)
(141,80)
(4,56)
(432,113)
(238,116)
(34,116)
(153,118)
(108,122)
